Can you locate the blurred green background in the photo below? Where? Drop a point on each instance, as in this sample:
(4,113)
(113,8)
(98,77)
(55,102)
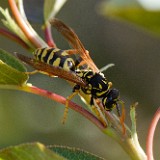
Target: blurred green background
(136,54)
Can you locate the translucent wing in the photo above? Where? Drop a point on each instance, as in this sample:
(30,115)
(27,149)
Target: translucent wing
(52,70)
(75,42)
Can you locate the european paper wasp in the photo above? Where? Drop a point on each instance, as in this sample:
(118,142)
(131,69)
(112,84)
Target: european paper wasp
(89,80)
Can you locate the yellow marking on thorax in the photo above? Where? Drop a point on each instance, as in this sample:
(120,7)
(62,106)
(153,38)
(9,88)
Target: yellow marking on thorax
(100,86)
(101,93)
(104,81)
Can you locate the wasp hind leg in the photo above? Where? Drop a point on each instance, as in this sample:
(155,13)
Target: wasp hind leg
(32,72)
(75,92)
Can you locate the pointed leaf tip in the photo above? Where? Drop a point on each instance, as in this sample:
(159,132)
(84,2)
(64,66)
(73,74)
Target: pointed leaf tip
(11,70)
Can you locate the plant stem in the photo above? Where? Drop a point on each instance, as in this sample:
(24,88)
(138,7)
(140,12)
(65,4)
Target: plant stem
(48,35)
(150,136)
(126,141)
(57,98)
(127,144)
(133,150)
(14,38)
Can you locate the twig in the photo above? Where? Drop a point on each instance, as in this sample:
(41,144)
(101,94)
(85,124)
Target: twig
(48,36)
(150,136)
(57,98)
(14,37)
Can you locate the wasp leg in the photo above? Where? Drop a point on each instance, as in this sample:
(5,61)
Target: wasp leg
(32,72)
(118,110)
(99,103)
(38,71)
(96,109)
(75,92)
(122,116)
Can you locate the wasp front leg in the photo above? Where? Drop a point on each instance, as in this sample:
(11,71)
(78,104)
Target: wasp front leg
(75,92)
(98,111)
(38,71)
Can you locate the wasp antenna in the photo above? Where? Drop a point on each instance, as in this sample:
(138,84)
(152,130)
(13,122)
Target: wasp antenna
(118,110)
(107,67)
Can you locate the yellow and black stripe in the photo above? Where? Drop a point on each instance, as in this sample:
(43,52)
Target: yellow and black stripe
(55,57)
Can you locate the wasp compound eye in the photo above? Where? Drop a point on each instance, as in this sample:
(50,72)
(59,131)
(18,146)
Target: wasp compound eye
(113,94)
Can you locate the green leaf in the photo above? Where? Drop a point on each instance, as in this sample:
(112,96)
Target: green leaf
(74,153)
(11,76)
(11,70)
(51,8)
(11,61)
(131,11)
(33,151)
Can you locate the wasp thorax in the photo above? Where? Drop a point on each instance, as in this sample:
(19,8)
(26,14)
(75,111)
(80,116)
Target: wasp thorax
(97,84)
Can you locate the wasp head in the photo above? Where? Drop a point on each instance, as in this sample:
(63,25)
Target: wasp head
(111,100)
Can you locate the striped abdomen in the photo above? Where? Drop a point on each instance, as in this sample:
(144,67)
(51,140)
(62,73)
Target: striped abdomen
(55,57)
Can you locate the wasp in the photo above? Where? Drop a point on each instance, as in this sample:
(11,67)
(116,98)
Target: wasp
(97,86)
(88,80)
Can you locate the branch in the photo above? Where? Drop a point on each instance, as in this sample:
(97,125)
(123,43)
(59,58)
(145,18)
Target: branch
(57,98)
(150,136)
(48,36)
(13,37)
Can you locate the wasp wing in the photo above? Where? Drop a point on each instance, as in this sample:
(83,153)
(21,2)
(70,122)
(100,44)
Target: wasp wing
(75,42)
(51,70)
(68,33)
